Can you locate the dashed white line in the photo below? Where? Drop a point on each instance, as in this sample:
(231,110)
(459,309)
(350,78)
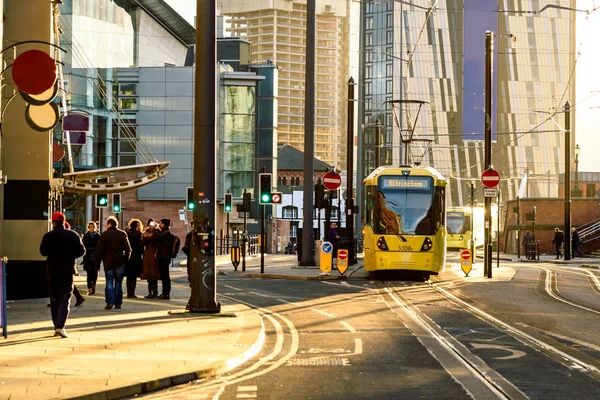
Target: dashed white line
(322,313)
(289,302)
(348,326)
(231,287)
(247,388)
(260,294)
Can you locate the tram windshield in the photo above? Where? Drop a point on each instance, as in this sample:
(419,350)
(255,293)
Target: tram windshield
(404,205)
(455,222)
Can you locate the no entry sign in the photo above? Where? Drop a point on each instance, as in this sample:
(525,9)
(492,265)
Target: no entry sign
(342,261)
(490,178)
(332,181)
(466,262)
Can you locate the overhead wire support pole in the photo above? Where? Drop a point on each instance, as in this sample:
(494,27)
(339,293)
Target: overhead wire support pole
(204,277)
(489,47)
(350,173)
(309,137)
(567,181)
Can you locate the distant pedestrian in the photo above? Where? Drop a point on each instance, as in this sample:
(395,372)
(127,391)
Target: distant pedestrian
(150,269)
(333,238)
(557,241)
(527,241)
(61,247)
(164,254)
(113,251)
(133,268)
(90,241)
(575,242)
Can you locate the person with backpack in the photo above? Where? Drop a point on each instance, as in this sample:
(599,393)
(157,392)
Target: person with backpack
(168,246)
(557,241)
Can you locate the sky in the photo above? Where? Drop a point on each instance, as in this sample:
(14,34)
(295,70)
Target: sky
(587,104)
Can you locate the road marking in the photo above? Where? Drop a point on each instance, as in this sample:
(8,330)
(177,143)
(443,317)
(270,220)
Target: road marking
(318,362)
(514,353)
(247,388)
(246,396)
(289,302)
(348,326)
(231,287)
(358,349)
(323,313)
(260,294)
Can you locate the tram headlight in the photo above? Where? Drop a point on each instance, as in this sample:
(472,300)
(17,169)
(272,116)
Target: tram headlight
(427,244)
(381,244)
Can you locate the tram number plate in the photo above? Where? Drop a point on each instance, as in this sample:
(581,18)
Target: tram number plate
(405,248)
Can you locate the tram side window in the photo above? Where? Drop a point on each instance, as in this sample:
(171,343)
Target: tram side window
(440,207)
(369,207)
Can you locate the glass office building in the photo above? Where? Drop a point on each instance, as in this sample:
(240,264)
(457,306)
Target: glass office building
(433,52)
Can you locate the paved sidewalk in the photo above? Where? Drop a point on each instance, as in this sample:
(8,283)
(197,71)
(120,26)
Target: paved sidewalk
(146,345)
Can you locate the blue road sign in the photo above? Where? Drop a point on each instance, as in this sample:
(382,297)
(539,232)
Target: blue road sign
(326,247)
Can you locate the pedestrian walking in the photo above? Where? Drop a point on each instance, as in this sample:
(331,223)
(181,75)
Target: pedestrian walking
(90,241)
(527,241)
(557,241)
(164,253)
(113,251)
(61,247)
(79,299)
(150,269)
(575,242)
(133,268)
(333,238)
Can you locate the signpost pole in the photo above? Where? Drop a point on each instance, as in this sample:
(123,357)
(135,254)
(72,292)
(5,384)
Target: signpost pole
(489,45)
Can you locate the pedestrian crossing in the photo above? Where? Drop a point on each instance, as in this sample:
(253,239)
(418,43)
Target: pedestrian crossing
(247,392)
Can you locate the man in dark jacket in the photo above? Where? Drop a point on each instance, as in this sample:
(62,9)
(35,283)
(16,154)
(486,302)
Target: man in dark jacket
(61,247)
(113,250)
(557,241)
(575,242)
(163,255)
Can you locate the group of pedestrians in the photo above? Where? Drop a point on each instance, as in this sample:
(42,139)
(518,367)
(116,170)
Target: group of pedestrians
(559,238)
(134,253)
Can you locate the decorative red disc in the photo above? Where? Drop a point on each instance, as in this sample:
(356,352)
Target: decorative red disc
(34,72)
(57,152)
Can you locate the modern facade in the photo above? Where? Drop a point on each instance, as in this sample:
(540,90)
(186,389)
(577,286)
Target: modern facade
(277,31)
(435,55)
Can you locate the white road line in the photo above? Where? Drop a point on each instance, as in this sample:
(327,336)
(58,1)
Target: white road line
(289,302)
(564,337)
(247,388)
(246,396)
(260,294)
(348,326)
(323,313)
(231,287)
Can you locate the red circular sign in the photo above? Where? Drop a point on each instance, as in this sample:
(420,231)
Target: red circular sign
(34,72)
(342,254)
(332,181)
(490,178)
(465,254)
(57,152)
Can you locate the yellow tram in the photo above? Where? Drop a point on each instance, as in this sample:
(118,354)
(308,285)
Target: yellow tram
(405,220)
(464,224)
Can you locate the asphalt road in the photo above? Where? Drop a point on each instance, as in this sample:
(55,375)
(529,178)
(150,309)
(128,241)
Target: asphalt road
(535,336)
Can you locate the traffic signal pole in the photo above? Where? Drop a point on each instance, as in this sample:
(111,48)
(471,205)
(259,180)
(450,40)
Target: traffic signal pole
(262,234)
(489,45)
(203,273)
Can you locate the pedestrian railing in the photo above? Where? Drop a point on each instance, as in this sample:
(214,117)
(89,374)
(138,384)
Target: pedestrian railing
(532,250)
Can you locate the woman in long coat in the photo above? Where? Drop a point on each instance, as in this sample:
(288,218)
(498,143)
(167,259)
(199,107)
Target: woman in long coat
(90,241)
(133,267)
(150,269)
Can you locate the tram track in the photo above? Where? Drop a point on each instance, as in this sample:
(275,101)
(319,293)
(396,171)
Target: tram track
(551,288)
(470,371)
(563,357)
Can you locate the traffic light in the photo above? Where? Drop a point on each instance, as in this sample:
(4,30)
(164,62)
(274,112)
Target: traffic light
(117,202)
(264,187)
(246,203)
(101,200)
(227,202)
(319,196)
(190,198)
(276,198)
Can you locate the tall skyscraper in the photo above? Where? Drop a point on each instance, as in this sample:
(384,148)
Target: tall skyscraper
(431,54)
(277,31)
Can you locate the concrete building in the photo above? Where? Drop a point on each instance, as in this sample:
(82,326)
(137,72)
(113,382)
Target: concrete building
(277,31)
(413,52)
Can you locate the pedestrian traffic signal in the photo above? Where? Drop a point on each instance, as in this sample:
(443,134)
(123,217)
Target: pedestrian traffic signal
(190,198)
(101,200)
(117,202)
(227,202)
(264,185)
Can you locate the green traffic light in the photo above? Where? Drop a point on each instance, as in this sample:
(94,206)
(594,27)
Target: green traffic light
(265,197)
(228,208)
(116,209)
(103,201)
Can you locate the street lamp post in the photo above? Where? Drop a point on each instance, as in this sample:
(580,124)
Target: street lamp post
(576,192)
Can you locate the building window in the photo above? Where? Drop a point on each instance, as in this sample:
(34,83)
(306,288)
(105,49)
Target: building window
(128,89)
(368,72)
(389,87)
(368,88)
(590,190)
(128,103)
(369,23)
(290,212)
(278,181)
(369,39)
(389,37)
(389,70)
(284,181)
(390,20)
